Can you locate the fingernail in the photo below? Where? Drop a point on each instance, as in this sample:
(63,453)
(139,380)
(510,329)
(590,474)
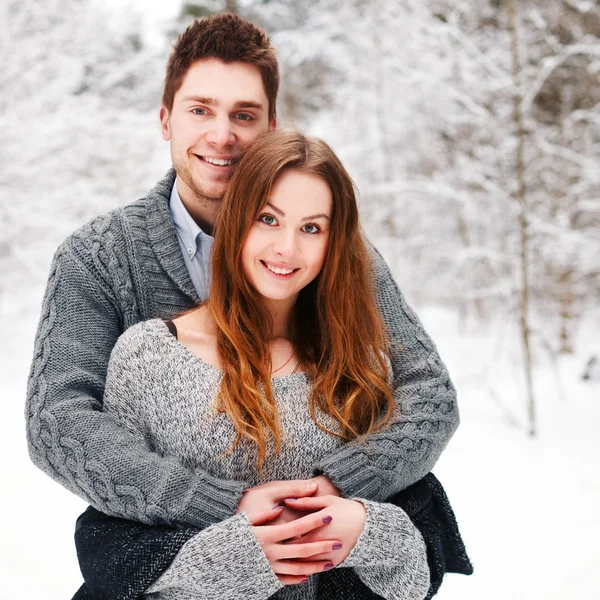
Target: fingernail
(311,485)
(290,499)
(278,507)
(305,580)
(328,567)
(337,547)
(327,519)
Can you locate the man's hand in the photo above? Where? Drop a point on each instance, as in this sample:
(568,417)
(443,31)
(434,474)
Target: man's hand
(292,561)
(268,495)
(326,488)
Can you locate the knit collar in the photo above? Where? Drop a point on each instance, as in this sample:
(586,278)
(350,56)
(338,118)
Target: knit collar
(163,237)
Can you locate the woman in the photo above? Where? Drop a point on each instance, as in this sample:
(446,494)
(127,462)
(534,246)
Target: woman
(285,362)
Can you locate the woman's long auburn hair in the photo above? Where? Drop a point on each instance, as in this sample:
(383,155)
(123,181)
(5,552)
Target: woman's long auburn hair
(337,332)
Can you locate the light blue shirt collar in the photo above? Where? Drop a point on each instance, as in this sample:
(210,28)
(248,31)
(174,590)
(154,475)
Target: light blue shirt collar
(187,229)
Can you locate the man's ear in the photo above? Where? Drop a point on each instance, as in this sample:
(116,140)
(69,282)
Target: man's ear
(273,124)
(164,123)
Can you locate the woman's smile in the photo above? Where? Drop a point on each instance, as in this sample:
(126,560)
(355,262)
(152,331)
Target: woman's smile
(278,270)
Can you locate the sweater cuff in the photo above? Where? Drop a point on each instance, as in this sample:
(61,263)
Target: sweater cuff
(349,470)
(213,501)
(390,556)
(386,537)
(378,539)
(225,561)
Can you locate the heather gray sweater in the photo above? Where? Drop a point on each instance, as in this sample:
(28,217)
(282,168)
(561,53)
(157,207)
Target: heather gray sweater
(164,395)
(125,267)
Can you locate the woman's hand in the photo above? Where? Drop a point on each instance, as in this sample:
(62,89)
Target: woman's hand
(293,561)
(268,495)
(325,488)
(348,523)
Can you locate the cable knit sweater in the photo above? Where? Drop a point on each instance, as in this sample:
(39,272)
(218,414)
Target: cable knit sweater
(125,267)
(164,395)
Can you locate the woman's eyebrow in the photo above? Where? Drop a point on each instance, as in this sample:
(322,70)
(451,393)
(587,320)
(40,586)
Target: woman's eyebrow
(320,215)
(310,218)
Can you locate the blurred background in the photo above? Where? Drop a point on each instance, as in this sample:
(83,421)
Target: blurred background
(472,130)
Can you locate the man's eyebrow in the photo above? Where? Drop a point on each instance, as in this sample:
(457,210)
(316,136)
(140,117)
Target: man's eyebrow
(201,100)
(282,214)
(213,102)
(248,104)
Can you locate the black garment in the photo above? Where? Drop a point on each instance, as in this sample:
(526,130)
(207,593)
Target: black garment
(120,559)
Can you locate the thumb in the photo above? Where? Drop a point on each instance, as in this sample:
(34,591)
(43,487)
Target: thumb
(294,490)
(264,516)
(315,503)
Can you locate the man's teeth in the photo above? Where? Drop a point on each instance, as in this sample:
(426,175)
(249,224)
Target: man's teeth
(218,161)
(280,271)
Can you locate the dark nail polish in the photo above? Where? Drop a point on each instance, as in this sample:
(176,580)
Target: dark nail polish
(337,547)
(328,567)
(327,519)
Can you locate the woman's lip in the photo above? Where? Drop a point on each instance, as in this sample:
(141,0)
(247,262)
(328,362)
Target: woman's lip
(278,266)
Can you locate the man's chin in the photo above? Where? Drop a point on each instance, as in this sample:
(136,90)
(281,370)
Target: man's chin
(212,192)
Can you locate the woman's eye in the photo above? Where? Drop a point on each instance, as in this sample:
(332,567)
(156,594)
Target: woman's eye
(310,228)
(268,219)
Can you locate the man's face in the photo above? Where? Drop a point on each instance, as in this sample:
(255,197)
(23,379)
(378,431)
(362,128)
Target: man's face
(219,109)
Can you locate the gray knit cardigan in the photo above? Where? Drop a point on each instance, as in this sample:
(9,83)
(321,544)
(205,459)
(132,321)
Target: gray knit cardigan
(125,267)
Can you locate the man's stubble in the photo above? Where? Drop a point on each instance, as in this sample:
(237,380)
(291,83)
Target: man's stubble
(186,174)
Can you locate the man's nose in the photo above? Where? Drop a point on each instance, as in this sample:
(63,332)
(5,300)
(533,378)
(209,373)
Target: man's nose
(220,132)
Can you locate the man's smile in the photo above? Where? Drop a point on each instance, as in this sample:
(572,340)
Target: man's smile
(217,162)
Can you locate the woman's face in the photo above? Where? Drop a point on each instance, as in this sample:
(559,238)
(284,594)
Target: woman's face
(285,248)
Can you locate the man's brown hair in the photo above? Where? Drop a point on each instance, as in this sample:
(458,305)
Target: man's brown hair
(228,38)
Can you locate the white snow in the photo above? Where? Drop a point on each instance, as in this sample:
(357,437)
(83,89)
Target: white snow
(527,508)
(421,119)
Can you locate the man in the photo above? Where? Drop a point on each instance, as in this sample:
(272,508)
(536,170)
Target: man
(150,259)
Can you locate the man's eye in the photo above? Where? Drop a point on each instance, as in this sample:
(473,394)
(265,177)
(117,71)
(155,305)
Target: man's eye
(244,117)
(199,111)
(310,228)
(268,219)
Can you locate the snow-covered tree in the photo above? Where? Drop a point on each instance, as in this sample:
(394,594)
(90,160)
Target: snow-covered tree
(78,92)
(419,99)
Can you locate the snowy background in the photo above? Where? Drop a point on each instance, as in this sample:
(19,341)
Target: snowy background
(459,122)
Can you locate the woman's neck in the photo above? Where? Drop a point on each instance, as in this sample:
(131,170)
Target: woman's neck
(282,312)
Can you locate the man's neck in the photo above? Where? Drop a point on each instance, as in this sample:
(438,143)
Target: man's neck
(203,210)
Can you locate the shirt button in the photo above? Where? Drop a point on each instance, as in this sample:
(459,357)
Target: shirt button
(190,250)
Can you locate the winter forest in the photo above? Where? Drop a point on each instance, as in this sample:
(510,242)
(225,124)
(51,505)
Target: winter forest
(472,131)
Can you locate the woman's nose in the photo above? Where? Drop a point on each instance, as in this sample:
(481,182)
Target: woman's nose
(285,245)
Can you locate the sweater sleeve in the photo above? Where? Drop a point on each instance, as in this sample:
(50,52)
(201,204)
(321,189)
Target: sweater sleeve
(85,449)
(224,561)
(390,556)
(391,460)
